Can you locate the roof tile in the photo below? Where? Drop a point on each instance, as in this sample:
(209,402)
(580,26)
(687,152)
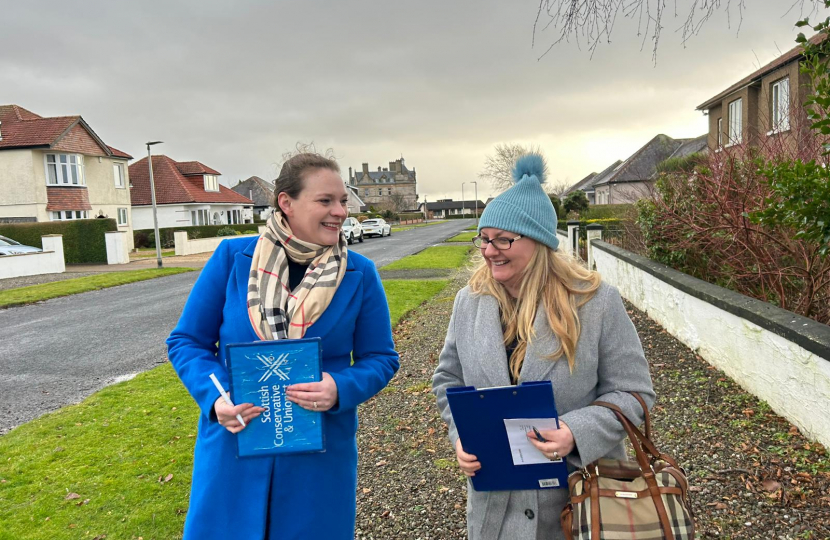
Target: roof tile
(173,187)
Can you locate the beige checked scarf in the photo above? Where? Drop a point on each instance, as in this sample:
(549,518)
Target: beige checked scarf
(275,311)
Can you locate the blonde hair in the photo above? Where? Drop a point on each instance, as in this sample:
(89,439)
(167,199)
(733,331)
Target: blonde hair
(562,284)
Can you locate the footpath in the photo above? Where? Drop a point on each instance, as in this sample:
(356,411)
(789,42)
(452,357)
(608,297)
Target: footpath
(753,475)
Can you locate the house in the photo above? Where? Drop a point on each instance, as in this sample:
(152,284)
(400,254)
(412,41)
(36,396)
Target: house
(355,204)
(57,169)
(443,208)
(261,192)
(763,107)
(634,178)
(587,183)
(393,188)
(187,193)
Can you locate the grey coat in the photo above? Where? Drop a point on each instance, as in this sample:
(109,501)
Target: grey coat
(609,363)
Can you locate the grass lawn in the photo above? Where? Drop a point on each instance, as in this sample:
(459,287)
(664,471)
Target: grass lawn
(434,257)
(404,295)
(149,253)
(463,237)
(398,228)
(119,464)
(45,291)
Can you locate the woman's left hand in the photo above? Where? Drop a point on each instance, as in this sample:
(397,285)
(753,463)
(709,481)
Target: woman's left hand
(315,396)
(560,442)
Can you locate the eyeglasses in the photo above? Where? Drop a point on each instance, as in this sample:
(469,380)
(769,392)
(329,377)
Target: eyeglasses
(501,244)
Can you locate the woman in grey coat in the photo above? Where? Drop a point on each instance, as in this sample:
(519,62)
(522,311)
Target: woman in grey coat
(532,313)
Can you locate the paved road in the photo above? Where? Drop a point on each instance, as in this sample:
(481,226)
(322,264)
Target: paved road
(58,352)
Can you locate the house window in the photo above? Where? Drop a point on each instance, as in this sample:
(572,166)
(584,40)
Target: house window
(199,217)
(736,121)
(122,216)
(720,132)
(118,174)
(234,217)
(65,169)
(781,105)
(389,191)
(66,215)
(365,192)
(211,183)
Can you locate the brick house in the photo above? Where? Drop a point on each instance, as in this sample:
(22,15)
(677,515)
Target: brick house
(187,193)
(763,107)
(393,188)
(58,169)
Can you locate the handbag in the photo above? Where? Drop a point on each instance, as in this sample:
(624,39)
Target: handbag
(613,499)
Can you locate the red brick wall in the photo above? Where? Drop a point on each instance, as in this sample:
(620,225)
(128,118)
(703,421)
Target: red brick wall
(79,141)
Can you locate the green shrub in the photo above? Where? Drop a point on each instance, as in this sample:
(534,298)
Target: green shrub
(603,211)
(227,231)
(249,232)
(83,239)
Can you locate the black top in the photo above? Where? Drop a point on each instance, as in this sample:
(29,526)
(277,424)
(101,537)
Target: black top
(296,272)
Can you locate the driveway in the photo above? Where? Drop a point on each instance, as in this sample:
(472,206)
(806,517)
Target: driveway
(58,352)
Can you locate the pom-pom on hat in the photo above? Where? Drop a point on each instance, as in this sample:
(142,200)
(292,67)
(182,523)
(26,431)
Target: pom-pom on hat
(525,208)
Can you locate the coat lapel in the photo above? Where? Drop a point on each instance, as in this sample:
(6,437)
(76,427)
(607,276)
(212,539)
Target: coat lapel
(537,366)
(488,342)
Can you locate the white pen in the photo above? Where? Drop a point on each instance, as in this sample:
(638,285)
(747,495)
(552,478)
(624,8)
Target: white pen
(225,396)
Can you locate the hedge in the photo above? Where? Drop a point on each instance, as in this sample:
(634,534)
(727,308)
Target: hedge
(145,238)
(83,239)
(603,211)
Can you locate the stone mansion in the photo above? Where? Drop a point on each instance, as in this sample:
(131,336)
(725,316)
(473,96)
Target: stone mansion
(392,188)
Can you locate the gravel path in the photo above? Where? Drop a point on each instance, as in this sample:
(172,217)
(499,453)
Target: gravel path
(753,475)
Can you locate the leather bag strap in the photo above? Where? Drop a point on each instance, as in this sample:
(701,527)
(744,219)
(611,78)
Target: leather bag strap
(639,442)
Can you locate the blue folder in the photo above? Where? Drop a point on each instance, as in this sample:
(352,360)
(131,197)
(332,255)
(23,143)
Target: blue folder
(260,372)
(479,416)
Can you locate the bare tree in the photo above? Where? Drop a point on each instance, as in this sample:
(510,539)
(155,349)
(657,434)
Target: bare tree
(399,202)
(592,21)
(498,167)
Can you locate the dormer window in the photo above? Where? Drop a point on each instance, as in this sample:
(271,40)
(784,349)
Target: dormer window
(65,170)
(211,183)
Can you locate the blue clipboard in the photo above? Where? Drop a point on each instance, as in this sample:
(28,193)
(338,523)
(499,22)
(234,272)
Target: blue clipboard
(479,416)
(259,373)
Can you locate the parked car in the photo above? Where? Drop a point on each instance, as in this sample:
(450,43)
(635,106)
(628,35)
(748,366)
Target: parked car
(12,247)
(376,227)
(352,230)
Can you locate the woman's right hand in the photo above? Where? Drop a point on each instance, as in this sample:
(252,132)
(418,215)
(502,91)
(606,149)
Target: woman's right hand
(227,414)
(467,462)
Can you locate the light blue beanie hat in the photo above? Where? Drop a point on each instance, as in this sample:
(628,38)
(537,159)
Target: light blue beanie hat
(525,208)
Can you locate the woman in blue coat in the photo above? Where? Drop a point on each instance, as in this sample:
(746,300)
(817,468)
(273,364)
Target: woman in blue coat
(296,280)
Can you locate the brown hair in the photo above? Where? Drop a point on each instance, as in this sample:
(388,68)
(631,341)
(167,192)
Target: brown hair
(292,175)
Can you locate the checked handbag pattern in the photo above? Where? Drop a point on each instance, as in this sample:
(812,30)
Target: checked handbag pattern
(647,499)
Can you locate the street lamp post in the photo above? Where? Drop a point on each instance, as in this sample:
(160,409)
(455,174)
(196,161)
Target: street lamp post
(462,198)
(476,184)
(153,199)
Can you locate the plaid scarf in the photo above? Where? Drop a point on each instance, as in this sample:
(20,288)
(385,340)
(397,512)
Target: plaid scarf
(275,311)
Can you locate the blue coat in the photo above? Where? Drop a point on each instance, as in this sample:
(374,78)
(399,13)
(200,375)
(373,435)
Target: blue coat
(311,496)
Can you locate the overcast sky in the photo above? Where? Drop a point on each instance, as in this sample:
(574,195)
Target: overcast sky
(236,84)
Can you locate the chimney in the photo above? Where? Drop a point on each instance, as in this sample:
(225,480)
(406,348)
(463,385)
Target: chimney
(379,169)
(392,167)
(365,168)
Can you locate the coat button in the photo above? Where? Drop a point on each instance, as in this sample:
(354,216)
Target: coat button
(529,513)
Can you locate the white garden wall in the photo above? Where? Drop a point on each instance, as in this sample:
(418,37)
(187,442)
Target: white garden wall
(48,261)
(776,355)
(203,245)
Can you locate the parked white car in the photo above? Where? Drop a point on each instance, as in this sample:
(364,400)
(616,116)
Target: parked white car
(12,247)
(376,227)
(352,230)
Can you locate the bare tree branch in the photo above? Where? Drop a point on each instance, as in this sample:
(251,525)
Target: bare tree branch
(593,21)
(498,167)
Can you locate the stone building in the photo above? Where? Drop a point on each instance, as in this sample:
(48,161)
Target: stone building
(393,188)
